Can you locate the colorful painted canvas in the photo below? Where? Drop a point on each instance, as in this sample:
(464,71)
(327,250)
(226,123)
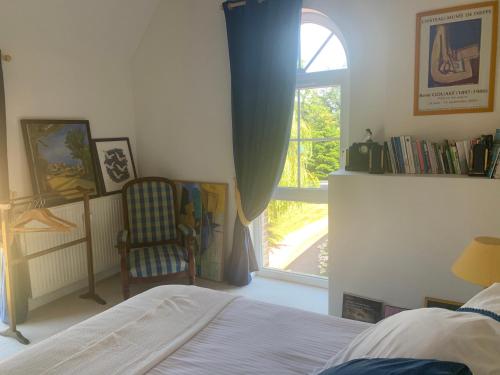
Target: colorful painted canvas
(59,156)
(203,207)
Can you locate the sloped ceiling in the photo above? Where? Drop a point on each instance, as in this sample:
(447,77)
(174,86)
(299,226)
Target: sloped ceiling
(113,27)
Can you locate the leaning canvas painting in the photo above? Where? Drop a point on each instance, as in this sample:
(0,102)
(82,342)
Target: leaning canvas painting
(202,206)
(59,156)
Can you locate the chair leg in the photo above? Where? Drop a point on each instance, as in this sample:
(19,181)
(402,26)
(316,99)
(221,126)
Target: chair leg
(125,290)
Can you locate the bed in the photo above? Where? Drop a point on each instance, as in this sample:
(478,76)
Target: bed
(190,330)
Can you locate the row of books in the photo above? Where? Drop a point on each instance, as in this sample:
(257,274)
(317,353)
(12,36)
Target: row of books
(408,155)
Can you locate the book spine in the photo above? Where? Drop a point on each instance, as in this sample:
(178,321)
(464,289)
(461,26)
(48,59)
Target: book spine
(404,154)
(466,145)
(392,157)
(426,158)
(421,156)
(415,156)
(432,157)
(451,166)
(387,159)
(493,167)
(400,155)
(439,160)
(409,154)
(462,160)
(454,157)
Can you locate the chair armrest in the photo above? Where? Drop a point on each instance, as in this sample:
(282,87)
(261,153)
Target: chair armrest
(187,231)
(121,240)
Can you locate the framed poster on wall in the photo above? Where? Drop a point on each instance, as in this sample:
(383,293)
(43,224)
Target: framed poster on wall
(455,59)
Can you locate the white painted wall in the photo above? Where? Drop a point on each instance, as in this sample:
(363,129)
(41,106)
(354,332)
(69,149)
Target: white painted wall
(395,238)
(182,96)
(71,59)
(380,38)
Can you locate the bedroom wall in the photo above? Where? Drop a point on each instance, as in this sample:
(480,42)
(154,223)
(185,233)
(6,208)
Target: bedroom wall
(70,59)
(395,238)
(386,242)
(182,97)
(380,37)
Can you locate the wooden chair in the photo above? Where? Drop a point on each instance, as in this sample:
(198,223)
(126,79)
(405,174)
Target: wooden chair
(153,247)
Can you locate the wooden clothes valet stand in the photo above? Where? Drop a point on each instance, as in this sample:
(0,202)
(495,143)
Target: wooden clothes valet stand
(7,234)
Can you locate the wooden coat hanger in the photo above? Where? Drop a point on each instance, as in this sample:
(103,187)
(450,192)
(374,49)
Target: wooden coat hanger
(44,216)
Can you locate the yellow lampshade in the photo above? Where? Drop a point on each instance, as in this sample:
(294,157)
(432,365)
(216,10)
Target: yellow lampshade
(480,262)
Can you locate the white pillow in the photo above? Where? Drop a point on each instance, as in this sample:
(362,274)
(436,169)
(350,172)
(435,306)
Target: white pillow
(431,333)
(488,299)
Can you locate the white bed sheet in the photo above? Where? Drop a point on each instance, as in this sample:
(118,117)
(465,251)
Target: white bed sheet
(251,337)
(188,330)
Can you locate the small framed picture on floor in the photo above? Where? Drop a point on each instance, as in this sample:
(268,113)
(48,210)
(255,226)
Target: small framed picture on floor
(115,163)
(361,308)
(442,303)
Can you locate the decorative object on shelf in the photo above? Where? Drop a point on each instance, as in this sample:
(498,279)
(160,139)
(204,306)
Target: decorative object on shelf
(442,303)
(202,206)
(362,309)
(365,157)
(479,262)
(50,223)
(60,157)
(368,136)
(392,310)
(115,163)
(455,59)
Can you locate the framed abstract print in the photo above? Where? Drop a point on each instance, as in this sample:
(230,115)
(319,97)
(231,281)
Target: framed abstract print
(455,59)
(115,163)
(60,157)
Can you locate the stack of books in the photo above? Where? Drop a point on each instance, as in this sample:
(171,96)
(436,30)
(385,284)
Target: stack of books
(408,155)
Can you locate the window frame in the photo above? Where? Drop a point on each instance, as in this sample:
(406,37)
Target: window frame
(338,77)
(329,78)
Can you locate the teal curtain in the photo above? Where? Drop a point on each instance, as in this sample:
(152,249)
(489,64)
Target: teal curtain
(263,40)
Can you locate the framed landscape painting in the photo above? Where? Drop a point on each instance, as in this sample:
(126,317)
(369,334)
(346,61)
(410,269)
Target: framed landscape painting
(203,206)
(115,163)
(455,59)
(59,157)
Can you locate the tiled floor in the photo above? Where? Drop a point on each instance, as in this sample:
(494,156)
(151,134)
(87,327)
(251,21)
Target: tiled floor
(67,311)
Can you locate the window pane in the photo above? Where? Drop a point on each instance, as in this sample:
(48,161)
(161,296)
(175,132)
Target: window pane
(320,112)
(295,237)
(290,176)
(318,160)
(295,125)
(331,57)
(312,37)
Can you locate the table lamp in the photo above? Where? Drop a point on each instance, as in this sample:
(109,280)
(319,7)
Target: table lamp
(479,263)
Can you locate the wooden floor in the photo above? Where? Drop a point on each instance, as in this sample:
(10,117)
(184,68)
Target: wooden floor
(67,311)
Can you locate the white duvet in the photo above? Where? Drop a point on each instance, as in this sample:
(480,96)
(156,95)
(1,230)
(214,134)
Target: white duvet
(189,330)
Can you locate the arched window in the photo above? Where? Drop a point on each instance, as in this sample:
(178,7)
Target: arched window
(292,235)
(316,134)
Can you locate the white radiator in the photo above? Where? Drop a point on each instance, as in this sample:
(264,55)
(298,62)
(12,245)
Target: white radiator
(63,268)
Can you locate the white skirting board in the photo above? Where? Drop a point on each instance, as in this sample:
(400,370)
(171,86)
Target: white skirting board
(65,271)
